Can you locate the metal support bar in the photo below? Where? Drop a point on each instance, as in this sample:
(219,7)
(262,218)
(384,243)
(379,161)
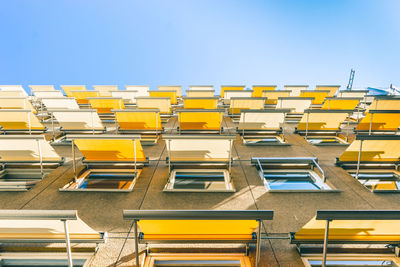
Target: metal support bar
(370,124)
(244,123)
(308,114)
(230,157)
(325,244)
(359,159)
(258,243)
(73,159)
(169,156)
(220,123)
(136,243)
(91,116)
(67,241)
(179,120)
(157,124)
(40,157)
(134,151)
(52,126)
(29,122)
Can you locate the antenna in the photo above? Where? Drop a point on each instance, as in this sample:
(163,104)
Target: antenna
(351,79)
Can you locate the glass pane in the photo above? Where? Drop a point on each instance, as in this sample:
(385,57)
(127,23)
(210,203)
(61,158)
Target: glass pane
(260,141)
(322,140)
(351,263)
(290,181)
(200,180)
(208,263)
(39,263)
(379,181)
(100,180)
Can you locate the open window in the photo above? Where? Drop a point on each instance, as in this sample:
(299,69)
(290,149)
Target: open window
(20,121)
(259,89)
(350,238)
(69,88)
(373,161)
(331,88)
(292,174)
(272,97)
(384,103)
(128,97)
(323,126)
(228,94)
(297,105)
(197,226)
(24,161)
(262,127)
(104,105)
(199,163)
(81,96)
(163,104)
(231,88)
(44,238)
(71,121)
(379,122)
(239,104)
(141,90)
(105,90)
(200,102)
(146,122)
(111,163)
(200,121)
(295,89)
(318,95)
(171,94)
(200,93)
(176,88)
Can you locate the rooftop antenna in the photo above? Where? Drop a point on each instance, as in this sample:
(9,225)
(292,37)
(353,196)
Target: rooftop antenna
(351,79)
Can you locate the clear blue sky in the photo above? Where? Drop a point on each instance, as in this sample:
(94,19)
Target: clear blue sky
(199,42)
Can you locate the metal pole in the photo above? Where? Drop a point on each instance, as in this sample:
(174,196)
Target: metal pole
(308,114)
(52,126)
(136,243)
(325,244)
(156,125)
(67,241)
(115,123)
(73,159)
(244,124)
(258,243)
(40,157)
(29,122)
(359,159)
(220,123)
(370,124)
(179,121)
(230,156)
(91,115)
(169,156)
(134,151)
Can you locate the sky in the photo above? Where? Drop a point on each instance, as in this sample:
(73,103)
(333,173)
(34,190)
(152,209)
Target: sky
(200,42)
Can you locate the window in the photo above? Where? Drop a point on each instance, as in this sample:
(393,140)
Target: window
(20,179)
(103,179)
(291,181)
(326,140)
(40,263)
(194,263)
(379,181)
(351,263)
(199,180)
(291,174)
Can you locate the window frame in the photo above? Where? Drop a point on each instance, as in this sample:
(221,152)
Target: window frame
(169,187)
